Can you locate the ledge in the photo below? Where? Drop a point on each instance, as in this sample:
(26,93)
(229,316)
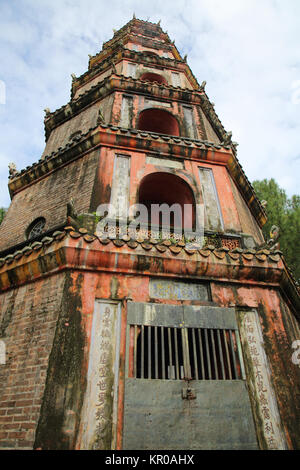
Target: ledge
(116,82)
(79,250)
(127,139)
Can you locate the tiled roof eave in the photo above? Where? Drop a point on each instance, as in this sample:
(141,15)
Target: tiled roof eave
(122,138)
(70,249)
(117,82)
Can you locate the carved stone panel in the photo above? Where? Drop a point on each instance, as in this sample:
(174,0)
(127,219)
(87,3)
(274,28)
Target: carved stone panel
(120,187)
(213,218)
(177,290)
(99,411)
(265,407)
(126,112)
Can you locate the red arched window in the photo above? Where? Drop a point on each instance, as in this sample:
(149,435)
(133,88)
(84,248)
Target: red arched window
(166,188)
(158,120)
(153,77)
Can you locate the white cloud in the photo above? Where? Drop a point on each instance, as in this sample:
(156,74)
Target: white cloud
(246,50)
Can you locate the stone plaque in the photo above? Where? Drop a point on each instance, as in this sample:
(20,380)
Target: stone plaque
(177,290)
(164,162)
(213,217)
(99,411)
(155,104)
(189,122)
(120,187)
(126,112)
(259,379)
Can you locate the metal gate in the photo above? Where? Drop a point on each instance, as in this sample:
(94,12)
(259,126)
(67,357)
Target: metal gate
(185,383)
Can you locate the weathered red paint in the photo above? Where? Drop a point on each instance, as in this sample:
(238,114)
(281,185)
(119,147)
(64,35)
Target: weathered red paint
(68,265)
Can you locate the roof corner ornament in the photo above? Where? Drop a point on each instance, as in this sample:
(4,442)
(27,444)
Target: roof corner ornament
(158,23)
(12,168)
(71,212)
(264,203)
(72,215)
(185,58)
(274,235)
(47,112)
(134,17)
(73,76)
(113,66)
(90,56)
(272,244)
(228,138)
(203,85)
(100,118)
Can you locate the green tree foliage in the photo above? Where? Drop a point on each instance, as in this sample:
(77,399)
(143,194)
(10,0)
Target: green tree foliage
(285,213)
(2,213)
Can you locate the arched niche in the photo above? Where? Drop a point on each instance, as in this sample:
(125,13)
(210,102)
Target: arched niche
(159,121)
(153,77)
(167,188)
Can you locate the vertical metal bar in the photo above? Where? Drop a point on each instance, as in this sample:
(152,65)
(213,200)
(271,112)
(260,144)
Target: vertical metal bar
(240,354)
(221,355)
(227,355)
(156,352)
(134,351)
(170,375)
(131,352)
(163,352)
(176,353)
(149,353)
(201,355)
(214,354)
(127,374)
(233,354)
(185,349)
(195,355)
(207,353)
(142,351)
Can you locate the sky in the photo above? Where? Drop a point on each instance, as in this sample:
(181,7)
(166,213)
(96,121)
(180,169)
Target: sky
(247,51)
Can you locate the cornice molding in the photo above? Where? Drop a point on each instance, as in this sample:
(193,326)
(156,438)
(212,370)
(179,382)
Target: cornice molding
(79,250)
(125,84)
(150,143)
(121,53)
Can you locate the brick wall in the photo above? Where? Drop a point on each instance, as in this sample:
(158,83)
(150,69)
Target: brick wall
(83,121)
(49,197)
(28,318)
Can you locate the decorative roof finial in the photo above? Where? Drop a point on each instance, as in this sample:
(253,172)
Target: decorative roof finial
(100,118)
(47,111)
(134,17)
(185,58)
(73,76)
(203,85)
(228,138)
(264,203)
(158,23)
(12,169)
(113,66)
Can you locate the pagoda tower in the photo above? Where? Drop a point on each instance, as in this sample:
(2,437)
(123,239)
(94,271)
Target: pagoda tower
(120,334)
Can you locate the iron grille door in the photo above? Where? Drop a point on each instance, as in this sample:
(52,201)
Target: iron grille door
(184,384)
